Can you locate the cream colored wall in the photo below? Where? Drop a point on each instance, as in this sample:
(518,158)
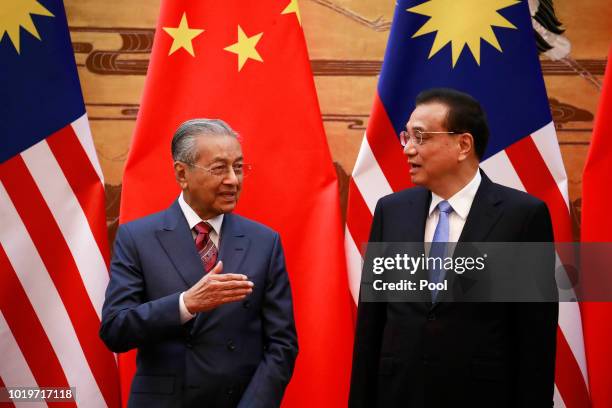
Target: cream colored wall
(346,40)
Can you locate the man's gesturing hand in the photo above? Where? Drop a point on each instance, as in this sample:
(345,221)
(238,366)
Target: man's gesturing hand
(215,289)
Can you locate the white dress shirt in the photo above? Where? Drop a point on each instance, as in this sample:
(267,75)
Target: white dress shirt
(461,202)
(194,219)
(215,235)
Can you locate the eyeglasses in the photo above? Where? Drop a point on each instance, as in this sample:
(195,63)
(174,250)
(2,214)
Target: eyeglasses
(417,137)
(218,170)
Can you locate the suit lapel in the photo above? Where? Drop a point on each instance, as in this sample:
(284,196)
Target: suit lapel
(415,232)
(484,213)
(177,241)
(417,215)
(234,245)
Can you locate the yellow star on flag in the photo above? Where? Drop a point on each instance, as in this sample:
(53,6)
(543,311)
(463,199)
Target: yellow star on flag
(463,23)
(182,36)
(245,48)
(293,7)
(17,14)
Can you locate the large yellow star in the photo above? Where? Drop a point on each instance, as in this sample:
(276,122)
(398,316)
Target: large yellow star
(182,36)
(16,14)
(293,7)
(463,23)
(245,48)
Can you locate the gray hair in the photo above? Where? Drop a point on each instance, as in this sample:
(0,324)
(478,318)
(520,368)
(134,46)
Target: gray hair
(185,138)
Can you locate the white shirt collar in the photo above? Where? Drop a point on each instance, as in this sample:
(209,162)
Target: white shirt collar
(462,200)
(193,219)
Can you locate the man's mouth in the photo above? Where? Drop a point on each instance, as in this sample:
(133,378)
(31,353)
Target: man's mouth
(228,195)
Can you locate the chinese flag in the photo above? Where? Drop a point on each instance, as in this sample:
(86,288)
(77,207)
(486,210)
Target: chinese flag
(247,63)
(597,227)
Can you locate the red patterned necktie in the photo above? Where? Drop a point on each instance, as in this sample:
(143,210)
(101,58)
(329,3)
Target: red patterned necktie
(205,246)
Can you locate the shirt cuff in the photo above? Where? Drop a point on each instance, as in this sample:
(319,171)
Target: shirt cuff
(184,313)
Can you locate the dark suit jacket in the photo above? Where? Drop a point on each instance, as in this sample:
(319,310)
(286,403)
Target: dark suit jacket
(449,355)
(239,354)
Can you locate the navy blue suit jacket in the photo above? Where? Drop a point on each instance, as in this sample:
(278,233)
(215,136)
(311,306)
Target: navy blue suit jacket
(445,355)
(239,354)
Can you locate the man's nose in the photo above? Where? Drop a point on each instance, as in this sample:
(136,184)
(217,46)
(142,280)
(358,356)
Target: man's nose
(231,177)
(410,148)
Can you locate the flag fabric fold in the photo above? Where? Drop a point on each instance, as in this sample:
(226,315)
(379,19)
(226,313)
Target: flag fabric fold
(596,226)
(247,63)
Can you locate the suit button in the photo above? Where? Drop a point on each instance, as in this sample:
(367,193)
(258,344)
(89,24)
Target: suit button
(189,345)
(431,316)
(246,304)
(230,391)
(231,346)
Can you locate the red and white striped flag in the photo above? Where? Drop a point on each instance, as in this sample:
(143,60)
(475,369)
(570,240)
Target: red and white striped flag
(54,251)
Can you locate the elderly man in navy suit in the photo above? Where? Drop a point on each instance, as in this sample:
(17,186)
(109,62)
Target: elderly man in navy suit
(202,293)
(436,354)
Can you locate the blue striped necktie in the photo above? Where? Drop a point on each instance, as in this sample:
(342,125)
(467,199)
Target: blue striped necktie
(438,245)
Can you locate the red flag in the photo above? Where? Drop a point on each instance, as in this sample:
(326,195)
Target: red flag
(247,63)
(597,227)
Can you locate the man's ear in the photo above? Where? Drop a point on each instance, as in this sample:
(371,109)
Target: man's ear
(466,145)
(180,174)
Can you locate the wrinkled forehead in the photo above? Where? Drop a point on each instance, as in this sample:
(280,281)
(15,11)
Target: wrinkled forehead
(218,147)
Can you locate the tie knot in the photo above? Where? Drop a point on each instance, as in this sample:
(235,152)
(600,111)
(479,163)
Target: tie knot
(203,228)
(445,207)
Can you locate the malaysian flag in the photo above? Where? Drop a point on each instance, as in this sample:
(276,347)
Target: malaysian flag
(487,49)
(54,251)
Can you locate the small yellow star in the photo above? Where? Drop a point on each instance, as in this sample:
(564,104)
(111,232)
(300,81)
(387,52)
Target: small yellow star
(182,36)
(293,7)
(245,48)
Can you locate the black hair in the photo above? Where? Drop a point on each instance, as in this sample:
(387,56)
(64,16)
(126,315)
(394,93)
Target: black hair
(465,114)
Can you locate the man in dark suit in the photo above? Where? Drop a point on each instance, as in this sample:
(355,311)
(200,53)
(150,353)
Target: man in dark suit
(440,354)
(203,294)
